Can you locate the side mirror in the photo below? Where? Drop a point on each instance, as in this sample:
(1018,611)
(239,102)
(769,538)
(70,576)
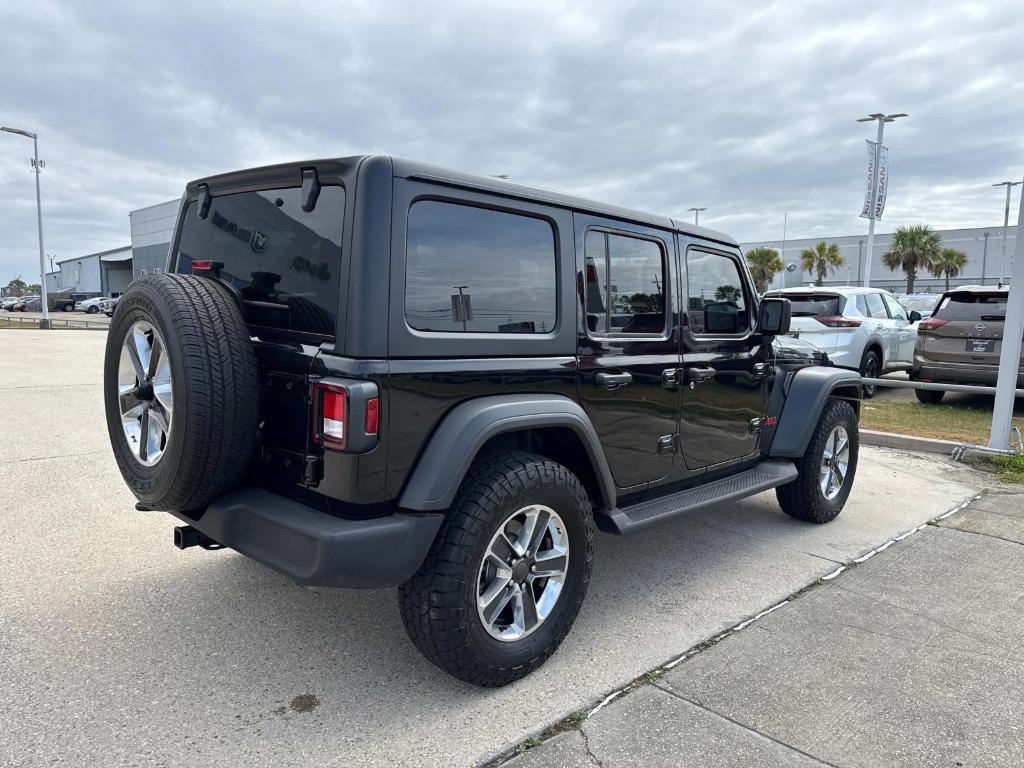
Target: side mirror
(773,317)
(915,316)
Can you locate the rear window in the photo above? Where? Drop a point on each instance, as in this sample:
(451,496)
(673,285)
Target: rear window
(972,306)
(814,305)
(284,261)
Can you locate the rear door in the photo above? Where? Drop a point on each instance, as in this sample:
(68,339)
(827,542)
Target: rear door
(284,265)
(724,361)
(903,333)
(627,345)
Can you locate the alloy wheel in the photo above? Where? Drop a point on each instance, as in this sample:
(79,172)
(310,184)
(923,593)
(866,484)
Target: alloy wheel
(145,393)
(523,572)
(835,462)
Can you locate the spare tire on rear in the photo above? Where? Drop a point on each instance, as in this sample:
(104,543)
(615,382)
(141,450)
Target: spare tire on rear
(180,391)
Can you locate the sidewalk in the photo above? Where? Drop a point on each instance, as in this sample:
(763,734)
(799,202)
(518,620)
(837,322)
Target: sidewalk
(912,658)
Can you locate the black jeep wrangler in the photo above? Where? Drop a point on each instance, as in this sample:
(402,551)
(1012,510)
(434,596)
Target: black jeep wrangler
(369,371)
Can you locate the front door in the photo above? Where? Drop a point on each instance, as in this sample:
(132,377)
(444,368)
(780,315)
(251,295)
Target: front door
(627,346)
(724,361)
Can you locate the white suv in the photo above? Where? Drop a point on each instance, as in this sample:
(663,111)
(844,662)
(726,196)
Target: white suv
(865,329)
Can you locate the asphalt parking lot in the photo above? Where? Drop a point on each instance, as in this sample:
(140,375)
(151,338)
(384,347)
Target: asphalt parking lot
(120,650)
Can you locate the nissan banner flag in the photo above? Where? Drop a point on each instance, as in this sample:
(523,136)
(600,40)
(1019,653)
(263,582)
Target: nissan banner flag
(883,182)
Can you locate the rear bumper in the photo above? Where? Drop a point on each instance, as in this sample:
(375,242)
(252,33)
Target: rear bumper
(317,549)
(959,373)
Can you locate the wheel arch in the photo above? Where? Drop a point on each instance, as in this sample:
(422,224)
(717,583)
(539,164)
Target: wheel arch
(874,343)
(550,425)
(806,392)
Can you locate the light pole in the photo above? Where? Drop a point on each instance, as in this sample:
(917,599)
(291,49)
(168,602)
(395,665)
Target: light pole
(881,119)
(984,258)
(37,166)
(1009,357)
(1006,224)
(696,215)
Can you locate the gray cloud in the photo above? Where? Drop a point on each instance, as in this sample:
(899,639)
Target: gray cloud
(745,108)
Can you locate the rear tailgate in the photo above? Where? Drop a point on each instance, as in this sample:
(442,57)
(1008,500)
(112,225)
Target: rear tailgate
(817,319)
(966,328)
(283,262)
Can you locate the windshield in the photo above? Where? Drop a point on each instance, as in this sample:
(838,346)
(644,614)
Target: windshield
(284,261)
(973,306)
(814,305)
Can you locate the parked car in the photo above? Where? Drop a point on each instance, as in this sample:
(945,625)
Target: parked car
(363,423)
(9,301)
(25,303)
(110,306)
(93,305)
(66,300)
(961,342)
(922,303)
(863,329)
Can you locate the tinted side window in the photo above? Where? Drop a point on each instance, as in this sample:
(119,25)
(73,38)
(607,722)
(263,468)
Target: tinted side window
(895,308)
(475,270)
(875,307)
(625,282)
(716,302)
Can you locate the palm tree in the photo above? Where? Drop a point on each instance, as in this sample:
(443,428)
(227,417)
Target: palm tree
(912,248)
(821,259)
(948,264)
(764,264)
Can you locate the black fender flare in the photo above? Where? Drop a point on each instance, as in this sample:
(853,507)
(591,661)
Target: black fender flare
(468,426)
(805,392)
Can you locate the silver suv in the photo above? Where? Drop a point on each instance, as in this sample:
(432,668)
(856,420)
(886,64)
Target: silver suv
(864,329)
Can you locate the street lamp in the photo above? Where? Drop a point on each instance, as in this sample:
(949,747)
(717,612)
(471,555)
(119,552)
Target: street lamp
(1006,223)
(37,167)
(696,214)
(881,119)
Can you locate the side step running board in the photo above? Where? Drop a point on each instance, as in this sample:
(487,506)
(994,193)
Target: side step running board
(767,474)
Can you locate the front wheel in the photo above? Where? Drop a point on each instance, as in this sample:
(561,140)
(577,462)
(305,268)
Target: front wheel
(68,307)
(506,577)
(92,310)
(827,468)
(870,365)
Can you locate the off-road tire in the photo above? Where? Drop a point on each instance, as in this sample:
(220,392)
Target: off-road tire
(213,373)
(438,604)
(803,498)
(929,396)
(870,367)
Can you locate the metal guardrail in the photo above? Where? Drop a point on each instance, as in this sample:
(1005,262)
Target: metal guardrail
(974,389)
(9,320)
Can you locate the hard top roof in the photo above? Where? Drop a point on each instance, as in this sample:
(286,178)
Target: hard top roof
(417,170)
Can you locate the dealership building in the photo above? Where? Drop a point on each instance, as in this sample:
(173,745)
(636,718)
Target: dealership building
(106,273)
(983,246)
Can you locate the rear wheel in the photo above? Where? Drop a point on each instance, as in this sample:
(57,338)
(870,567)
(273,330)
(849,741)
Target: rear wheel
(929,396)
(827,468)
(68,307)
(506,577)
(870,366)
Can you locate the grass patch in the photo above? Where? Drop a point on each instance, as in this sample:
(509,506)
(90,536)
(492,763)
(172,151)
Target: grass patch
(958,421)
(1011,468)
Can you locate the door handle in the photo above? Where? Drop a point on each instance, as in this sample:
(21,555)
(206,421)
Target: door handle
(612,380)
(697,375)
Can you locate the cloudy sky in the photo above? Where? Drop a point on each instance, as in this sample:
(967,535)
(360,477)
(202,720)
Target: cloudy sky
(747,108)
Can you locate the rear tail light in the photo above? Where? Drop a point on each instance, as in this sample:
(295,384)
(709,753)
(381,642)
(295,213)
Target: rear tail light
(838,321)
(931,324)
(330,410)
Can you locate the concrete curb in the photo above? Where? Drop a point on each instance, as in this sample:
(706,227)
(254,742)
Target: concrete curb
(907,442)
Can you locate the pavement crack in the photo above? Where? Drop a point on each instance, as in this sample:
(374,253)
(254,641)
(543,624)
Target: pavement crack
(55,456)
(979,533)
(590,753)
(746,727)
